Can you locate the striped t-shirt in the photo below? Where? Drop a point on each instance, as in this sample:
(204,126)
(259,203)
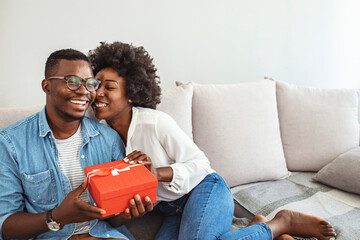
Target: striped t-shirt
(69,163)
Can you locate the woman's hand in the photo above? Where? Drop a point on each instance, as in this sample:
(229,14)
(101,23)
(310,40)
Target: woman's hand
(164,174)
(139,157)
(136,210)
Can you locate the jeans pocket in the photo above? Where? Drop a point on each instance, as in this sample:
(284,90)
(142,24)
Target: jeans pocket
(40,188)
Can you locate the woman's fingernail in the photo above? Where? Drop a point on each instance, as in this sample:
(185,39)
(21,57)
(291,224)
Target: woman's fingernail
(140,161)
(103,212)
(147,199)
(137,197)
(131,162)
(126,159)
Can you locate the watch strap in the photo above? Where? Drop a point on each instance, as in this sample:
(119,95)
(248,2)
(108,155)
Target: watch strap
(51,222)
(49,216)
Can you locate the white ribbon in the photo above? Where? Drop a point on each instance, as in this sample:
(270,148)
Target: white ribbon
(114,171)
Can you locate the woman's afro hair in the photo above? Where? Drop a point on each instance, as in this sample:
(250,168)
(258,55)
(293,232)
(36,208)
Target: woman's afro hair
(135,65)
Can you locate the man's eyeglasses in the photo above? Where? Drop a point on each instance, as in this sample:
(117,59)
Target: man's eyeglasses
(75,82)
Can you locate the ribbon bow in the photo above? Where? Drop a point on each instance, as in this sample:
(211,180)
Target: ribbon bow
(114,170)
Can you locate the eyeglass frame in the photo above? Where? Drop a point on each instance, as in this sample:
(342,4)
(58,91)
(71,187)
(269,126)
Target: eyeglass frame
(67,77)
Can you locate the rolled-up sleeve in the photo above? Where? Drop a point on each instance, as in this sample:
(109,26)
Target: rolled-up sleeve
(11,193)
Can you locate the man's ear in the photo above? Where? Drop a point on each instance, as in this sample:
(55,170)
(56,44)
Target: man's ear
(45,86)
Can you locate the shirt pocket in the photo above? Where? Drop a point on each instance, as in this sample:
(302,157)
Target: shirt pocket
(40,188)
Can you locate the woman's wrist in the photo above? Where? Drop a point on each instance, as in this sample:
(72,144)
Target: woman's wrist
(164,174)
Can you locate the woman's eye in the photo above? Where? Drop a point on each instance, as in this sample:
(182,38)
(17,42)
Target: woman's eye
(109,87)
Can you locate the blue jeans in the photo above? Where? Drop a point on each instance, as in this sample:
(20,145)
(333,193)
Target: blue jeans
(206,213)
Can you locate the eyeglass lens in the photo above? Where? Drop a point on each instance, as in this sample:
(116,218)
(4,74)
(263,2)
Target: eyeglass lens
(75,82)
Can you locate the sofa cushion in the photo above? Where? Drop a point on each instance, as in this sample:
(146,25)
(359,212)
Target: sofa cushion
(316,124)
(177,103)
(237,127)
(343,172)
(11,115)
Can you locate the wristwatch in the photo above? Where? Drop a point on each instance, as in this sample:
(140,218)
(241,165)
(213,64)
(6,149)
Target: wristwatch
(52,225)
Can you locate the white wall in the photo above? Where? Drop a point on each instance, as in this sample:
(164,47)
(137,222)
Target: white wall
(307,42)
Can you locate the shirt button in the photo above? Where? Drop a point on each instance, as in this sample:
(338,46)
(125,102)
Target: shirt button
(107,235)
(82,156)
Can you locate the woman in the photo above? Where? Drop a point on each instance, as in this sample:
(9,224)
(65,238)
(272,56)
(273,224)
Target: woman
(196,201)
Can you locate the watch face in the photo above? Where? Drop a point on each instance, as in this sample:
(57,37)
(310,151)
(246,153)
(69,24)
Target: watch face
(53,226)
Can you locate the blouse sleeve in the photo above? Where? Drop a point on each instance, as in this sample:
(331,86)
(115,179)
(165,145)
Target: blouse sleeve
(190,164)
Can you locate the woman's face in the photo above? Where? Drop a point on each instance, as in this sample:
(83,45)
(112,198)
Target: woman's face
(111,101)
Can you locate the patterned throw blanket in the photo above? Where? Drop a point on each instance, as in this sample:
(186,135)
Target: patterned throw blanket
(300,193)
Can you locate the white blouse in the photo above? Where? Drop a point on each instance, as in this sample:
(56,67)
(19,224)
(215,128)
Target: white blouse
(157,135)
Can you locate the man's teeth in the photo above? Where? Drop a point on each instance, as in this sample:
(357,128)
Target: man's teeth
(100,104)
(78,102)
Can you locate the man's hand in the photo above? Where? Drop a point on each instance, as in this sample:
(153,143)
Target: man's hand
(74,210)
(136,210)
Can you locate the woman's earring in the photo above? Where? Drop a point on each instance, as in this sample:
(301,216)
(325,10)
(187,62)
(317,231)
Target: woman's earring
(129,101)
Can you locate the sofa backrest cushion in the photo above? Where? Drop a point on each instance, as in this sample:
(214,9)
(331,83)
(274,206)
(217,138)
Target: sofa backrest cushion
(177,103)
(236,125)
(316,124)
(11,115)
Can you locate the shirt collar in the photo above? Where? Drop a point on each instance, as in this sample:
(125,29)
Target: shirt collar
(44,127)
(87,125)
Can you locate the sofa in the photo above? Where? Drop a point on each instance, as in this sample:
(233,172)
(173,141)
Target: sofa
(277,145)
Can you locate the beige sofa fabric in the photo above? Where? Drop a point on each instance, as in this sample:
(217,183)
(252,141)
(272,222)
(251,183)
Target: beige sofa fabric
(237,127)
(316,124)
(11,115)
(343,172)
(177,103)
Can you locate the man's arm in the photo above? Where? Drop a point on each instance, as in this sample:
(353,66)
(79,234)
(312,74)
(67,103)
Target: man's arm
(72,210)
(13,226)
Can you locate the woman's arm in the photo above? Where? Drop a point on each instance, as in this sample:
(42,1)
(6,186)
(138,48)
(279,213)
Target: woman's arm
(190,163)
(186,164)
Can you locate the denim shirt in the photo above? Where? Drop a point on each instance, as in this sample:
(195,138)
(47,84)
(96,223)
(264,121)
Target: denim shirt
(30,178)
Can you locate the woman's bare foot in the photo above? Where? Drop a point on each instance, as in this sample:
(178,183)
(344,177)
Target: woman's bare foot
(258,219)
(300,224)
(261,218)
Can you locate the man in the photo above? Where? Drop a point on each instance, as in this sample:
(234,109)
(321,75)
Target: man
(43,156)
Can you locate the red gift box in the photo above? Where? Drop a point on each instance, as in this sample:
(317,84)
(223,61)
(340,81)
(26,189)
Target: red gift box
(113,184)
